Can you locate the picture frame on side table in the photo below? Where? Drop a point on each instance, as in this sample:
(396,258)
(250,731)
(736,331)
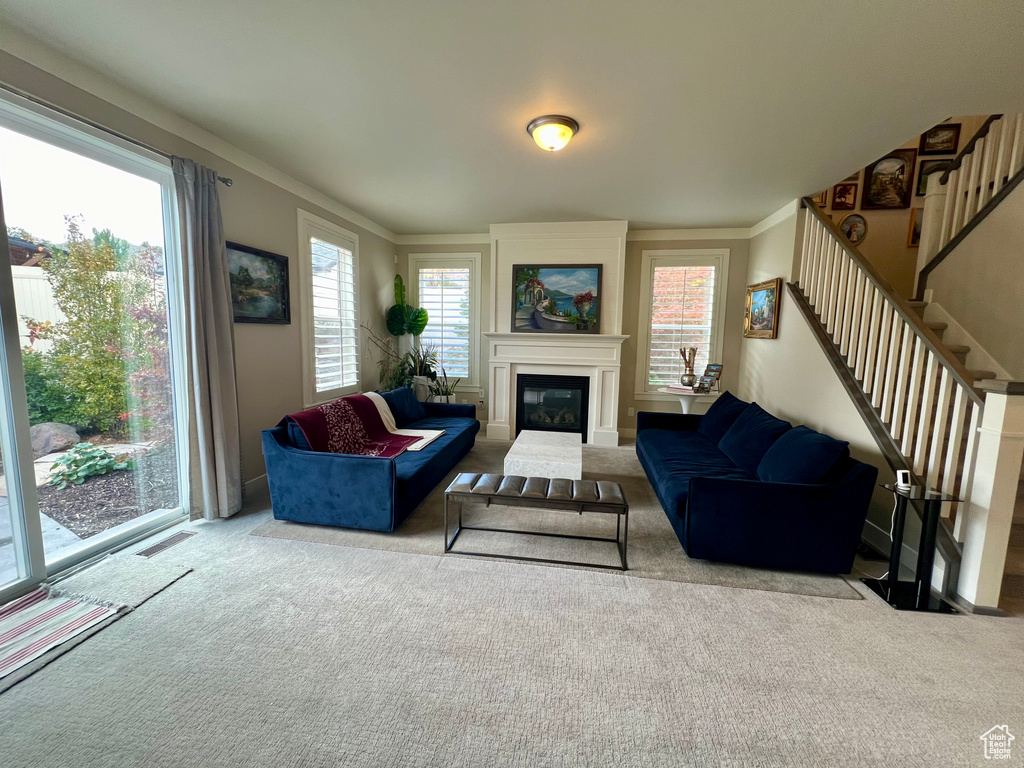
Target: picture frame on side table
(259,285)
(844,197)
(888,182)
(943,139)
(761,318)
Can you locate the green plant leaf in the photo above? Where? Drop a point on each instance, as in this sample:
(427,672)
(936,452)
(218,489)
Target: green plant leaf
(396,321)
(399,291)
(416,320)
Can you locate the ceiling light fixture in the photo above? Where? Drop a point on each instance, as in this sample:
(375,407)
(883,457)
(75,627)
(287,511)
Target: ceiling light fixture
(552,132)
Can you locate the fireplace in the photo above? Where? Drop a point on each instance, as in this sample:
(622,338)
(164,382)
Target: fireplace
(552,403)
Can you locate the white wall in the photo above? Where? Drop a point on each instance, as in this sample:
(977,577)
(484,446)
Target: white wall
(790,376)
(981,286)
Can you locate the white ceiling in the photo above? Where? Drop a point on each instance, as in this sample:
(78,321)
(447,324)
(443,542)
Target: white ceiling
(692,113)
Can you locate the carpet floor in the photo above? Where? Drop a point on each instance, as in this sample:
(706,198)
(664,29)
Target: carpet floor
(654,549)
(275,652)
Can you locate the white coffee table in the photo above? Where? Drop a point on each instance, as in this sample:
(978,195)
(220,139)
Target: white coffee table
(546,454)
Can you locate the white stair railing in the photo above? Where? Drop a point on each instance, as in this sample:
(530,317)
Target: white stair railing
(989,162)
(918,390)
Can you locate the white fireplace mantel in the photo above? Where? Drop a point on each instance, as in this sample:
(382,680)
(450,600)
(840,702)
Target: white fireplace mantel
(597,356)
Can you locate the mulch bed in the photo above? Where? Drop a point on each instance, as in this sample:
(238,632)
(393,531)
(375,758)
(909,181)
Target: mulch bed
(103,501)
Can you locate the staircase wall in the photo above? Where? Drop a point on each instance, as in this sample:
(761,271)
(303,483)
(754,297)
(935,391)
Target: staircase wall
(790,376)
(981,284)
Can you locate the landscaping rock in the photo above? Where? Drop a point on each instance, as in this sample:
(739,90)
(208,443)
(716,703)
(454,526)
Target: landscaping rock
(51,437)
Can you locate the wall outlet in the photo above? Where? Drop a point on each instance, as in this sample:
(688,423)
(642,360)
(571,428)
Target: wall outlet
(481,395)
(629,411)
(463,401)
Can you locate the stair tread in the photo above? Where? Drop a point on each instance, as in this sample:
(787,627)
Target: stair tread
(935,325)
(981,375)
(917,303)
(955,348)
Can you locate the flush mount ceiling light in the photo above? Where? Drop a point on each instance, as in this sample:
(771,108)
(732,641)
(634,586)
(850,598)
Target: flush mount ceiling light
(552,132)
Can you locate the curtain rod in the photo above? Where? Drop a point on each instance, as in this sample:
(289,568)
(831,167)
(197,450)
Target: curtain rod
(93,124)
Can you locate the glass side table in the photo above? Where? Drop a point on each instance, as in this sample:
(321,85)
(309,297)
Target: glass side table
(914,595)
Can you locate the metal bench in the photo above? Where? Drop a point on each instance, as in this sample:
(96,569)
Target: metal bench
(555,494)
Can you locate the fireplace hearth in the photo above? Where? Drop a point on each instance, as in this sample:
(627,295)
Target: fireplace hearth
(552,403)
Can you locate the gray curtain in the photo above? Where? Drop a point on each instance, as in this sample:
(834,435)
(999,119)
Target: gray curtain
(214,450)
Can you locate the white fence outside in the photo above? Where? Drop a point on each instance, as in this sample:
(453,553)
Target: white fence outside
(33,298)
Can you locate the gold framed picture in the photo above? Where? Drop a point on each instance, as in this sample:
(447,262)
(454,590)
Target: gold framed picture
(914,233)
(761,320)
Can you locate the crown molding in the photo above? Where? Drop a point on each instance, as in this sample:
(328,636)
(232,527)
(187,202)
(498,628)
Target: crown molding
(71,71)
(734,233)
(481,238)
(789,209)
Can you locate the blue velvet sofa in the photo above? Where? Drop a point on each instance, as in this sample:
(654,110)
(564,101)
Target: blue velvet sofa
(741,486)
(366,492)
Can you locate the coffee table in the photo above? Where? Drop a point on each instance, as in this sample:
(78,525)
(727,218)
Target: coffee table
(546,454)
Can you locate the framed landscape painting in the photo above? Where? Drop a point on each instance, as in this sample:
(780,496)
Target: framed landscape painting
(556,298)
(888,182)
(928,167)
(941,140)
(259,285)
(762,314)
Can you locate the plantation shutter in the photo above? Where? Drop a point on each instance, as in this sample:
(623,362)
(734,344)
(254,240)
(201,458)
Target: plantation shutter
(444,293)
(682,313)
(335,346)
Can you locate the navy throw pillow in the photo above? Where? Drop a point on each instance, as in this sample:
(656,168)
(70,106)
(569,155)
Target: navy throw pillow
(296,436)
(751,435)
(802,456)
(720,416)
(404,406)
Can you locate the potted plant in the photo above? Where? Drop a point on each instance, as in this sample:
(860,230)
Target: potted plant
(403,318)
(582,302)
(421,361)
(442,389)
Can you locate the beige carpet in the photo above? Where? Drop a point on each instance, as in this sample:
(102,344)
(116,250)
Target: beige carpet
(654,550)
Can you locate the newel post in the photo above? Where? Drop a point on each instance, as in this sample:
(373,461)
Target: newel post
(997,471)
(931,223)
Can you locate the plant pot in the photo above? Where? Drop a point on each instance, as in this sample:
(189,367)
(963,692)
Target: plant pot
(442,398)
(421,387)
(688,379)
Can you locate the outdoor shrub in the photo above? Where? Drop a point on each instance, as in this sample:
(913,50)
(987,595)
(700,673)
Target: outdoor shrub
(108,369)
(82,462)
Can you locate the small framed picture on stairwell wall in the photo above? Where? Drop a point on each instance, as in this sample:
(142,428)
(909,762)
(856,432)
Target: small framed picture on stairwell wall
(914,233)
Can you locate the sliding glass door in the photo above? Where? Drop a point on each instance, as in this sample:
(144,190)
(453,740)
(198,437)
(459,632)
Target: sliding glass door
(91,324)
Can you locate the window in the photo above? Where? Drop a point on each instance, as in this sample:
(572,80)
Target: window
(330,318)
(682,305)
(447,286)
(91,325)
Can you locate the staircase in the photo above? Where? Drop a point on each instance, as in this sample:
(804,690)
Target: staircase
(920,402)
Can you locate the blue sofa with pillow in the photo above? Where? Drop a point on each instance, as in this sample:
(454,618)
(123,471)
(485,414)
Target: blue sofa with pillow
(742,486)
(368,492)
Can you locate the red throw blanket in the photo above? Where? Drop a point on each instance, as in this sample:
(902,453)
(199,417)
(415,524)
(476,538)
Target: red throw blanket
(350,425)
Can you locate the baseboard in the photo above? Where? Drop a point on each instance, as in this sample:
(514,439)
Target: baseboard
(979,610)
(256,485)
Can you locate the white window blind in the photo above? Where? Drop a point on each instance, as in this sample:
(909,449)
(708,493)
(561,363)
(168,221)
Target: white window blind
(445,293)
(335,333)
(682,315)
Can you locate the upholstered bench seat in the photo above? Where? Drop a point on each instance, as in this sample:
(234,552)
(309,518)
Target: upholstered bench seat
(554,494)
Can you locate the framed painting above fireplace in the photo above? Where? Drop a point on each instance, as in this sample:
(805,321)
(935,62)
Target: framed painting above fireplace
(556,298)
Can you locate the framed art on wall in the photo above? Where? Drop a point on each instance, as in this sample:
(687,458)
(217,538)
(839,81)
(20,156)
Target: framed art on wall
(844,197)
(761,320)
(941,140)
(556,298)
(259,285)
(914,233)
(888,181)
(821,199)
(855,227)
(928,167)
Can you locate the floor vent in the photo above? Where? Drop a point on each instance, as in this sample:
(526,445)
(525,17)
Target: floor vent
(170,541)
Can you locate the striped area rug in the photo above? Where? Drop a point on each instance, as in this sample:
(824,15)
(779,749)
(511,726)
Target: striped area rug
(37,622)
